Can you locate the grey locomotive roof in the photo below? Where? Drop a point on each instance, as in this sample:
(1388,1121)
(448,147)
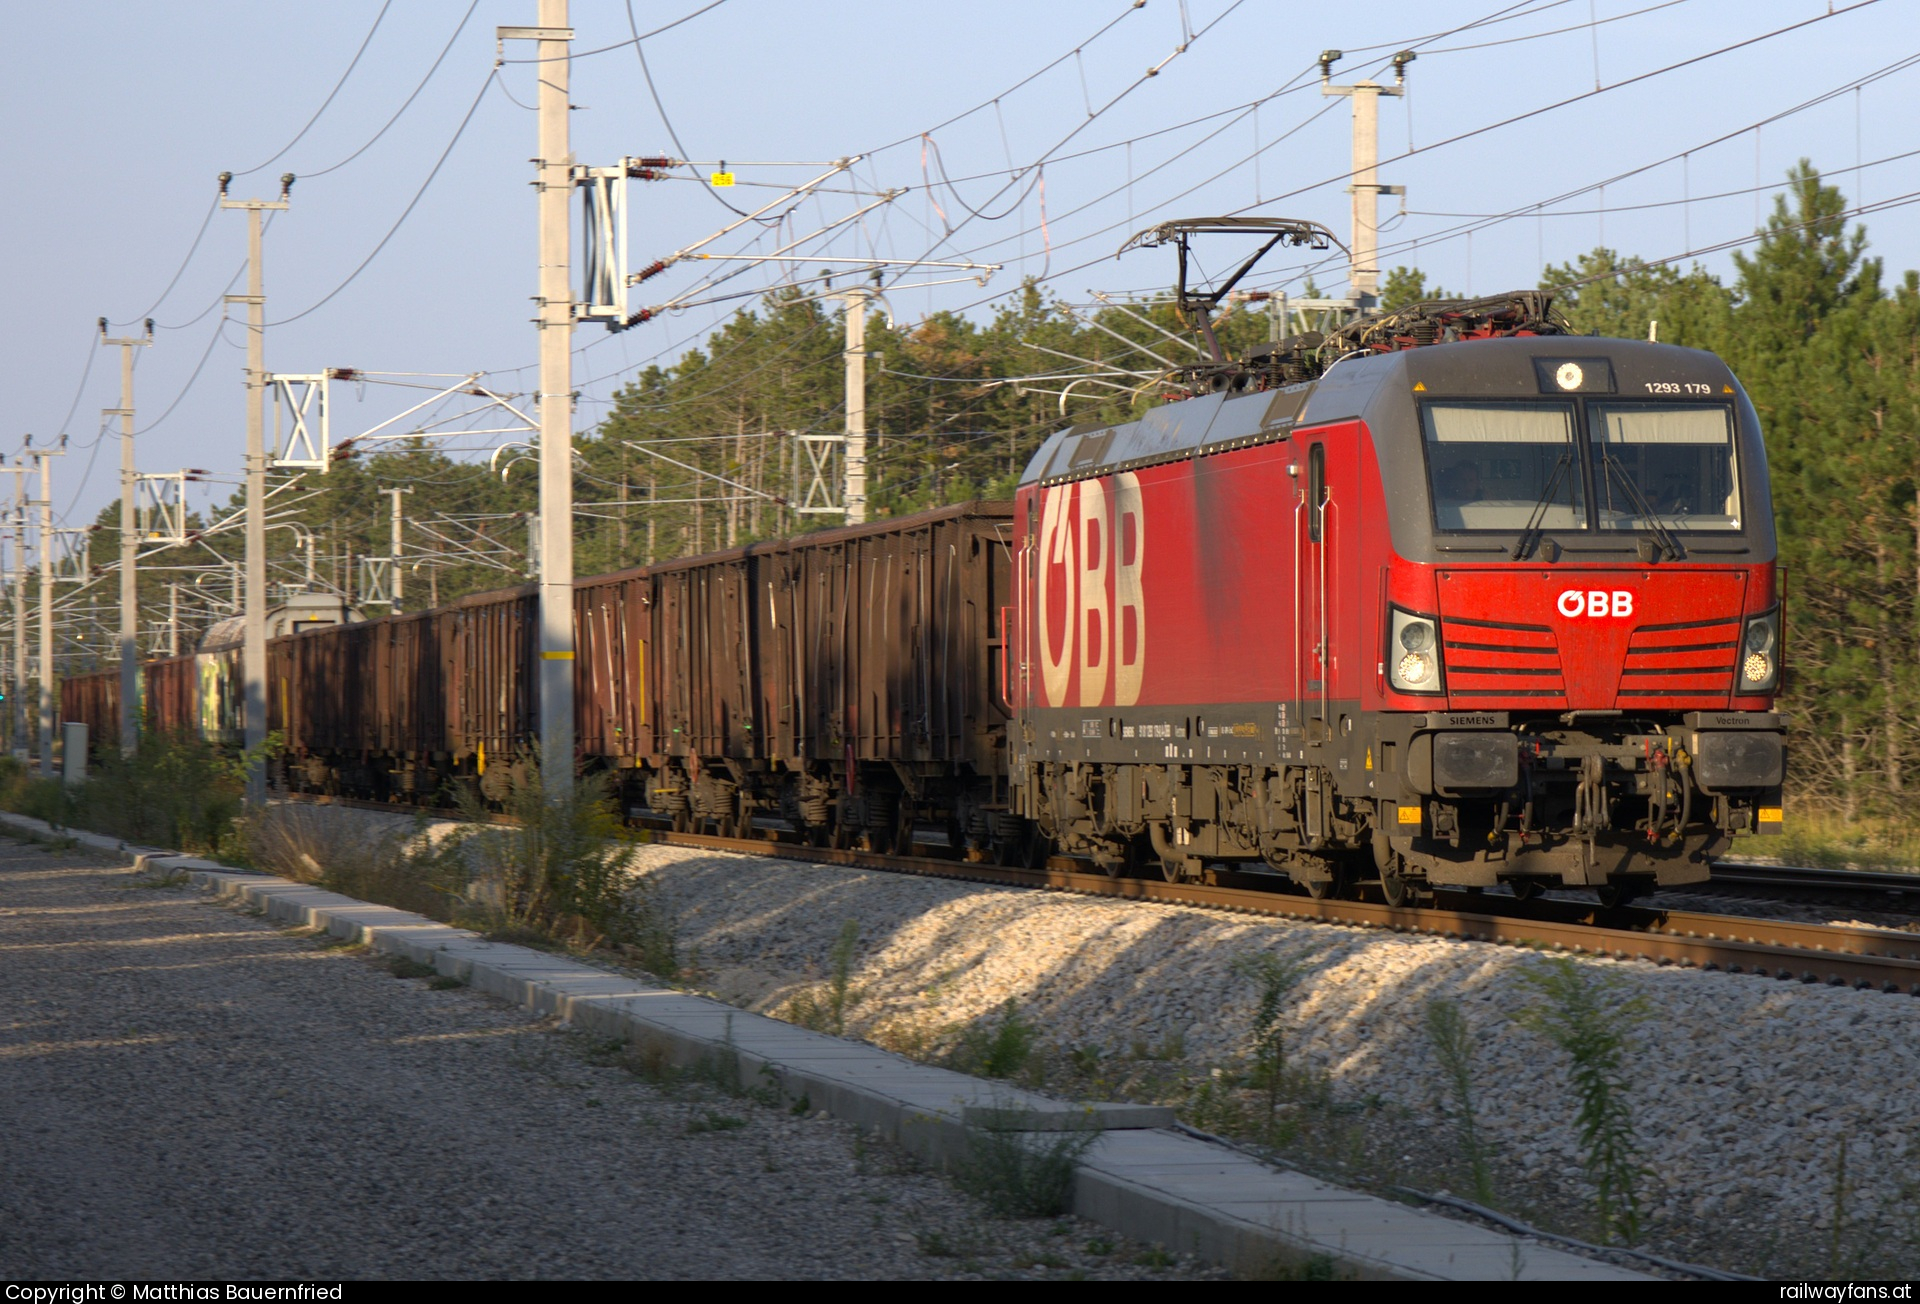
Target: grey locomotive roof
(1355,387)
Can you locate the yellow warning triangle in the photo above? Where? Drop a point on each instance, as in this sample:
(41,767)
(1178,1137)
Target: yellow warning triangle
(1419,386)
(1726,389)
(1369,758)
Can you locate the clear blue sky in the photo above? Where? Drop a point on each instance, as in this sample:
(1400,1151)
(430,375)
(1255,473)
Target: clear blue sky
(121,115)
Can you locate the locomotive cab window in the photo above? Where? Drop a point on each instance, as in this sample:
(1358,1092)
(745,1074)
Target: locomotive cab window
(1668,463)
(1494,466)
(1316,492)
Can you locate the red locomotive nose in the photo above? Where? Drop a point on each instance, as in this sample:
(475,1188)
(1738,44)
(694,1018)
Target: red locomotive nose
(1664,637)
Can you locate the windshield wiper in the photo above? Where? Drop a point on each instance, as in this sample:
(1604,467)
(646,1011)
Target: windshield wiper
(1669,546)
(1536,521)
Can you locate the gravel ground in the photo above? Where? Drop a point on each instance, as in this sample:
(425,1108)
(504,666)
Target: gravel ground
(187,1091)
(1745,1093)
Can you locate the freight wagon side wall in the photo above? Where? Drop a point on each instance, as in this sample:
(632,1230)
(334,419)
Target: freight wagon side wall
(612,629)
(704,660)
(882,645)
(171,703)
(93,700)
(491,713)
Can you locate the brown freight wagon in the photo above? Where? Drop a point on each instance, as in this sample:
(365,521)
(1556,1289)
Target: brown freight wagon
(170,699)
(172,695)
(847,682)
(396,707)
(93,699)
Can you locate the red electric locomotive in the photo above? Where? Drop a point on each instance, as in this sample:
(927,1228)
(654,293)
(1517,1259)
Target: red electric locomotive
(1471,601)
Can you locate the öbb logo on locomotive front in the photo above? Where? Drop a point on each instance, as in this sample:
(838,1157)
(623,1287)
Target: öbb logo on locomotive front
(1574,603)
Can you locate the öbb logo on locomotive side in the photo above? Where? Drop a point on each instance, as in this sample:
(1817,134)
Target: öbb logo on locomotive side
(1092,608)
(1574,603)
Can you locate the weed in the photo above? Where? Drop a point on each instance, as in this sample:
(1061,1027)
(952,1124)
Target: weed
(444,983)
(1099,1248)
(710,1121)
(1085,1060)
(828,1012)
(1584,1018)
(1155,1257)
(1838,1264)
(801,1107)
(1000,1049)
(934,1243)
(1023,1174)
(334,942)
(352,853)
(562,869)
(401,967)
(1316,1267)
(1453,1046)
(1275,977)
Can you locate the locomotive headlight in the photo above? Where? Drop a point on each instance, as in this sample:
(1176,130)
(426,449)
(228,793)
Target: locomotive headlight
(1413,653)
(1759,654)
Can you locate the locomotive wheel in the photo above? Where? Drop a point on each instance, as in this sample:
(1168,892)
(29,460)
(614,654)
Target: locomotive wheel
(1175,870)
(1616,894)
(1038,846)
(1395,890)
(1126,864)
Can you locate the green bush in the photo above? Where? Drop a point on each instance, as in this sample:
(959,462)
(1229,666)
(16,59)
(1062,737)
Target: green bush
(1022,1174)
(563,867)
(173,791)
(999,1049)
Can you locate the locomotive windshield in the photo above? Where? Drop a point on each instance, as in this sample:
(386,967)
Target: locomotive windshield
(1519,465)
(1673,461)
(1493,464)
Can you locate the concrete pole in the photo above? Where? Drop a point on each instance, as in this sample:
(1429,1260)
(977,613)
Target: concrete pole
(856,358)
(1363,278)
(555,183)
(397,591)
(1363,270)
(129,548)
(18,687)
(253,658)
(173,620)
(45,677)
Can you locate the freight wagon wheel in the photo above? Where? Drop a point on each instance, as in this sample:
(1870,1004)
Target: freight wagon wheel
(1525,889)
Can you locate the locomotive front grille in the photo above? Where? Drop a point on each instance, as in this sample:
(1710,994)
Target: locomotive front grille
(1486,658)
(1693,659)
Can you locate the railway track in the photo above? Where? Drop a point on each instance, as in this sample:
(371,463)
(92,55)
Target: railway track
(1862,958)
(1893,891)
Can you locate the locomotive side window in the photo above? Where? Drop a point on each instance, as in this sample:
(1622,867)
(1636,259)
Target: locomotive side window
(1316,491)
(1503,466)
(1673,462)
